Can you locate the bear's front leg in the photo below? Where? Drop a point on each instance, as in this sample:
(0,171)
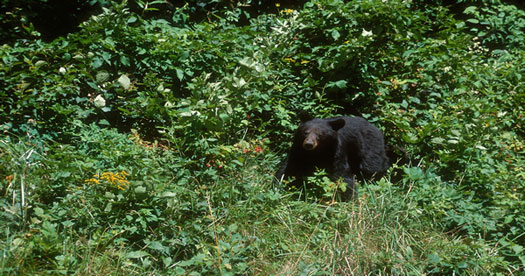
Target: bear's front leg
(281,173)
(351,188)
(287,169)
(342,169)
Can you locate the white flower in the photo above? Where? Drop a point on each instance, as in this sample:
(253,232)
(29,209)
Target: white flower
(99,101)
(62,70)
(366,33)
(124,82)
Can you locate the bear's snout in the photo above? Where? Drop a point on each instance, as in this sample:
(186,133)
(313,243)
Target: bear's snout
(310,143)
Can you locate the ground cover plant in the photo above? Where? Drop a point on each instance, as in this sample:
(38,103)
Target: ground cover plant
(145,141)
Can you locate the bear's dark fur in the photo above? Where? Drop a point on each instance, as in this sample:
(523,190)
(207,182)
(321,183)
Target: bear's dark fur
(343,146)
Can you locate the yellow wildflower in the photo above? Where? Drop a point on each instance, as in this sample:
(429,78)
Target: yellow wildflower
(117,180)
(92,180)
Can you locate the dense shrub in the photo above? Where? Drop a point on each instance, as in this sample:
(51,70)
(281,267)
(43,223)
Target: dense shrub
(146,141)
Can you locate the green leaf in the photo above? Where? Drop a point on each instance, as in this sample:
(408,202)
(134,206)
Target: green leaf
(108,207)
(434,259)
(39,211)
(168,194)
(92,85)
(40,63)
(180,74)
(167,261)
(517,249)
(124,60)
(96,63)
(136,254)
(335,34)
(102,76)
(470,10)
(340,84)
(155,245)
(140,190)
(410,137)
(414,173)
(248,62)
(106,57)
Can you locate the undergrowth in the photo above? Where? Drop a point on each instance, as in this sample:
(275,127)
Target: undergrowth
(146,142)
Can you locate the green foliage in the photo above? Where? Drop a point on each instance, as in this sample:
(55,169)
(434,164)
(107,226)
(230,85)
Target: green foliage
(321,186)
(145,144)
(498,25)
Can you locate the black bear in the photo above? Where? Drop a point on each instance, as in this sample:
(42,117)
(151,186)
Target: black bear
(343,146)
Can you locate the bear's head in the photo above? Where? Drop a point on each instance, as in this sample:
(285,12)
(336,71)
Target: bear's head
(318,133)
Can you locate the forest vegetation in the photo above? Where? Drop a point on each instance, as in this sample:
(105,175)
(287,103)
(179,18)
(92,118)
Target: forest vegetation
(142,137)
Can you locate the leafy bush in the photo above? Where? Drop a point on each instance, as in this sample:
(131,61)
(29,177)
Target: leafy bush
(499,26)
(148,144)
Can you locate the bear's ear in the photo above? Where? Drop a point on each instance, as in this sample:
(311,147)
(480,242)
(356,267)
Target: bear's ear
(304,116)
(337,124)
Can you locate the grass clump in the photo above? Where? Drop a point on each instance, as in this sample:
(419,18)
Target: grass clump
(146,142)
